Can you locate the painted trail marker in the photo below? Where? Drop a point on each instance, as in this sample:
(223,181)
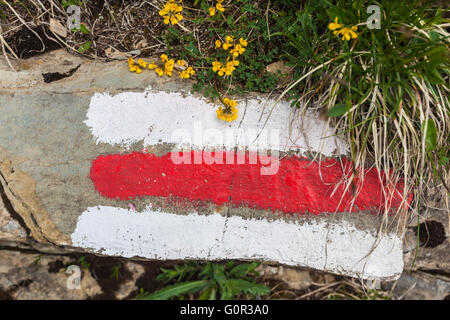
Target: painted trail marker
(237,173)
(87,163)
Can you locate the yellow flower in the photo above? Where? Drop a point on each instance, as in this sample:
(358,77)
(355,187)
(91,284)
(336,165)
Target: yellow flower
(152,66)
(220,7)
(216,65)
(142,63)
(243,42)
(228,112)
(191,71)
(168,67)
(138,70)
(181,63)
(348,33)
(229,68)
(229,39)
(164,57)
(218,44)
(353,33)
(345,32)
(212,11)
(235,62)
(159,71)
(171,12)
(334,25)
(240,49)
(226,46)
(184,74)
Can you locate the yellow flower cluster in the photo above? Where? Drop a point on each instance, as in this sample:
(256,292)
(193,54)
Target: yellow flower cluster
(228,112)
(347,33)
(166,68)
(219,7)
(185,74)
(235,49)
(172,12)
(133,67)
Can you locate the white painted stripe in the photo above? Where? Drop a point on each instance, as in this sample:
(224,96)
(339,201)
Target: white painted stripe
(188,121)
(157,235)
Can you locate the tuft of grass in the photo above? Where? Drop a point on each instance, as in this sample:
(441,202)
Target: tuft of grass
(209,281)
(83,263)
(385,92)
(116,272)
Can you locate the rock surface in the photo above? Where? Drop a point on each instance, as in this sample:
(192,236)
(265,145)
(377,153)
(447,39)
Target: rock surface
(46,151)
(29,276)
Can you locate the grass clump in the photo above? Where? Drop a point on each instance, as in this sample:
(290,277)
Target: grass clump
(208,281)
(385,90)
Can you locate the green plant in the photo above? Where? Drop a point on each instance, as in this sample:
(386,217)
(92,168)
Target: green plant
(245,19)
(84,264)
(209,281)
(115,272)
(385,90)
(85,46)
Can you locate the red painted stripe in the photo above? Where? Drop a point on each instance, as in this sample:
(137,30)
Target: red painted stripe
(296,187)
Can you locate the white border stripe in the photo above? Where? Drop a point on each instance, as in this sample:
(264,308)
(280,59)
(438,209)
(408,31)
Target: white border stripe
(157,235)
(155,117)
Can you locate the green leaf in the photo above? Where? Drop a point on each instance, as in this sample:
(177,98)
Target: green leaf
(338,110)
(444,160)
(206,294)
(178,289)
(434,36)
(243,269)
(84,29)
(237,286)
(85,46)
(431,134)
(218,274)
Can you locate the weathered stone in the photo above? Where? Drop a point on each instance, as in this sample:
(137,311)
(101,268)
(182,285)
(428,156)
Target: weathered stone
(10,228)
(420,286)
(26,276)
(280,69)
(431,252)
(57,28)
(129,286)
(295,279)
(47,150)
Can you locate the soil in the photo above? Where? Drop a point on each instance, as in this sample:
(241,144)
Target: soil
(26,44)
(147,280)
(102,269)
(431,234)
